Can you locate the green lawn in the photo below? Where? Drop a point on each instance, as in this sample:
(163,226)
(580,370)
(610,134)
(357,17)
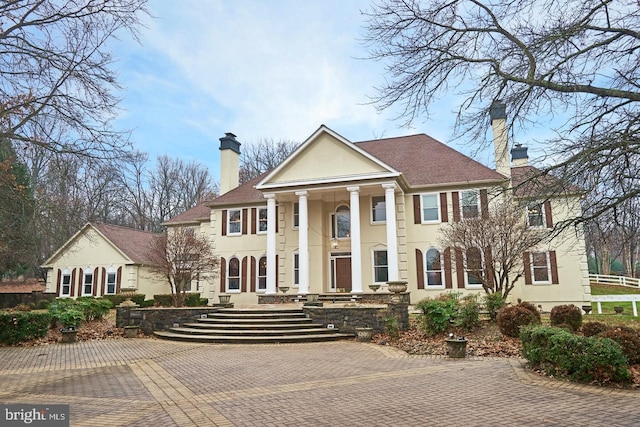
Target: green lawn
(608,314)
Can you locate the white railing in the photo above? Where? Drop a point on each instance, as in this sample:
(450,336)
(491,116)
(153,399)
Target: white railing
(633,298)
(615,280)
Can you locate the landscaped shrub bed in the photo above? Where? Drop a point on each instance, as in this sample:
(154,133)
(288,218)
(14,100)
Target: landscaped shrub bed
(562,353)
(629,342)
(566,316)
(191,299)
(19,326)
(511,318)
(118,299)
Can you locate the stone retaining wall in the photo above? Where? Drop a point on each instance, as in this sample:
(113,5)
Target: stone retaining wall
(158,318)
(348,318)
(12,299)
(368,298)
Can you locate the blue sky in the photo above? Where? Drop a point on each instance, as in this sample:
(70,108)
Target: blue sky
(259,69)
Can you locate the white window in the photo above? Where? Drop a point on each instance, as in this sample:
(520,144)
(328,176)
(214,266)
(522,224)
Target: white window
(234,220)
(296,270)
(540,267)
(434,270)
(87,287)
(110,286)
(262,220)
(65,289)
(470,204)
(380,266)
(233,275)
(341,223)
(535,215)
(296,215)
(430,205)
(262,274)
(378,209)
(473,261)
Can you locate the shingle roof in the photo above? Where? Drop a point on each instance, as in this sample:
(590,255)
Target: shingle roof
(245,193)
(425,161)
(134,243)
(529,181)
(198,213)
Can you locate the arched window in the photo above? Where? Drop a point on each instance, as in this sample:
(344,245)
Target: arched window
(262,274)
(233,278)
(434,268)
(341,223)
(87,283)
(474,266)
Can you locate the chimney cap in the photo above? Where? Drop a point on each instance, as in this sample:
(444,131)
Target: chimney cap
(229,142)
(519,152)
(498,110)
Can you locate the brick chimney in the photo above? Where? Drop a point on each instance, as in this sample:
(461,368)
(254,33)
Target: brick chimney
(498,114)
(229,163)
(519,156)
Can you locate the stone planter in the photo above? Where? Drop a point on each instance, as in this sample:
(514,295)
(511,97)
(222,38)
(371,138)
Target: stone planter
(364,334)
(397,287)
(69,335)
(224,299)
(374,287)
(131,331)
(456,347)
(312,298)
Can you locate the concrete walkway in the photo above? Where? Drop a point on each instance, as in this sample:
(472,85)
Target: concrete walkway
(148,382)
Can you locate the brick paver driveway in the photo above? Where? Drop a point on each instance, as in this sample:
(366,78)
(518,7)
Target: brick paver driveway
(142,382)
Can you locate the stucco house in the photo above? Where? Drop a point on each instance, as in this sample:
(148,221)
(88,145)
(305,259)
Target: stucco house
(101,259)
(338,216)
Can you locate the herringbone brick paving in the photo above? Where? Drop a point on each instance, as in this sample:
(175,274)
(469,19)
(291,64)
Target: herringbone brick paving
(143,382)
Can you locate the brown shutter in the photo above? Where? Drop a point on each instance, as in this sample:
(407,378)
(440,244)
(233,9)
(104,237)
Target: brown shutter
(460,268)
(554,267)
(80,282)
(245,214)
(118,279)
(224,222)
(95,281)
(488,264)
(417,218)
(547,214)
(103,290)
(72,285)
(58,282)
(448,279)
(484,203)
(455,198)
(444,209)
(223,274)
(253,220)
(254,272)
(420,268)
(277,219)
(243,274)
(527,268)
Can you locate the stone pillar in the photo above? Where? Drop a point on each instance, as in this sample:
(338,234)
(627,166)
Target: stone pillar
(271,244)
(303,243)
(392,233)
(356,252)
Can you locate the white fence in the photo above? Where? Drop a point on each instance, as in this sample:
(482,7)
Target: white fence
(633,298)
(615,280)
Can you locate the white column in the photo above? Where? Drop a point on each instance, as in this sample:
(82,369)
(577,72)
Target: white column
(303,243)
(271,243)
(356,254)
(392,234)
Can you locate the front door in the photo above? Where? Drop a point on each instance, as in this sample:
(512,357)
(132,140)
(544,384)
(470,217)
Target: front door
(343,274)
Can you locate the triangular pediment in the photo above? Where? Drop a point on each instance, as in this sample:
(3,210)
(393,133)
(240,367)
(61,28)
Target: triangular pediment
(324,158)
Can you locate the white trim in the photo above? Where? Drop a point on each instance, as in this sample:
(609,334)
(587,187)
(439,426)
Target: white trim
(443,276)
(263,184)
(373,264)
(372,220)
(543,214)
(114,271)
(86,272)
(271,244)
(257,275)
(468,285)
(239,276)
(532,268)
(477,192)
(356,249)
(295,255)
(303,242)
(258,209)
(229,232)
(392,232)
(65,273)
(438,209)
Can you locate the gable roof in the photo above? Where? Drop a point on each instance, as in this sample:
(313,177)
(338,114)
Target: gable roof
(131,243)
(199,213)
(425,161)
(529,181)
(245,193)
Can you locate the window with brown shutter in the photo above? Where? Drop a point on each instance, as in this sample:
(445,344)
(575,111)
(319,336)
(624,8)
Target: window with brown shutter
(484,203)
(417,215)
(243,281)
(459,268)
(223,274)
(554,267)
(448,277)
(253,220)
(224,222)
(245,214)
(455,199)
(444,208)
(253,274)
(118,279)
(59,280)
(547,214)
(527,268)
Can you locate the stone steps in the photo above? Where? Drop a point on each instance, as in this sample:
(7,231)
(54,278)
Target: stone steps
(243,326)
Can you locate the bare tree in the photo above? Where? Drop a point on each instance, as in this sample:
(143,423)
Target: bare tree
(493,246)
(262,156)
(180,256)
(574,59)
(56,73)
